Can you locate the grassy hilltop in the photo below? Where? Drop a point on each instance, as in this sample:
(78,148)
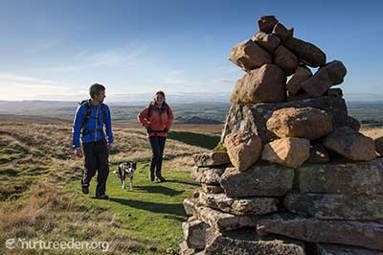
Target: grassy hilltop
(40,193)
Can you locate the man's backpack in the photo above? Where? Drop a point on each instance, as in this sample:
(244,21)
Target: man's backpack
(87,104)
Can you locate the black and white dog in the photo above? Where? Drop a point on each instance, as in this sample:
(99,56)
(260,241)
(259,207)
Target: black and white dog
(126,169)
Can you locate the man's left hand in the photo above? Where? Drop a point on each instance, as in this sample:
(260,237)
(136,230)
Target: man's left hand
(109,146)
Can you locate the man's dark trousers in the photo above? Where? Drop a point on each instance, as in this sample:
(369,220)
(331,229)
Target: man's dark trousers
(96,158)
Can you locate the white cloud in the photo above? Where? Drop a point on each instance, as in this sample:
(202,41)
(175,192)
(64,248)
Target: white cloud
(25,87)
(129,55)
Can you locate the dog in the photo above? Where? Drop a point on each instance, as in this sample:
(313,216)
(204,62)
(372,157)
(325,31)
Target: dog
(126,169)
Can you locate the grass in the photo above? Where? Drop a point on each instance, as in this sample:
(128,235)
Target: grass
(40,195)
(206,141)
(152,213)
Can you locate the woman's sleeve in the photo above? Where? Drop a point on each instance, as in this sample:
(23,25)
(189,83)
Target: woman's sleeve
(170,119)
(142,117)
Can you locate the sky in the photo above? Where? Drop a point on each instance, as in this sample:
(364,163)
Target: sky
(53,50)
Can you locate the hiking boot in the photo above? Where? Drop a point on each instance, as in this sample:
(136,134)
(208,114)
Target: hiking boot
(151,176)
(85,189)
(103,196)
(160,179)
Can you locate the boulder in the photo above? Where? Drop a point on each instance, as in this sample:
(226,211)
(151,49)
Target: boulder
(194,232)
(243,148)
(301,74)
(342,178)
(351,144)
(318,154)
(262,85)
(286,60)
(267,23)
(282,32)
(379,145)
(306,122)
(332,249)
(267,41)
(364,234)
(247,243)
(186,250)
(238,92)
(212,158)
(253,117)
(224,221)
(329,75)
(336,206)
(335,92)
(212,189)
(259,180)
(352,123)
(237,206)
(308,52)
(248,55)
(288,151)
(299,96)
(207,175)
(190,205)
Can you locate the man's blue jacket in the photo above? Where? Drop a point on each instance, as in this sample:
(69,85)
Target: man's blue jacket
(94,129)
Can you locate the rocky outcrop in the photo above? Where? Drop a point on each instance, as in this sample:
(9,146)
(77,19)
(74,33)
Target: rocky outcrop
(253,117)
(265,84)
(351,144)
(317,187)
(244,149)
(213,158)
(306,122)
(259,180)
(248,55)
(288,151)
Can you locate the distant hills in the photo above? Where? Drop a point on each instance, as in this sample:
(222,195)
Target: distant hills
(369,113)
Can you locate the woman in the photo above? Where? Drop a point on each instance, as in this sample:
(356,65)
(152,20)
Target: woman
(157,118)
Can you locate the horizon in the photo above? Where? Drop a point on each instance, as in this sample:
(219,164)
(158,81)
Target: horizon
(137,47)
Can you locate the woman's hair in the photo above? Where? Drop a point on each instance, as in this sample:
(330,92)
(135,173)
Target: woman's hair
(160,92)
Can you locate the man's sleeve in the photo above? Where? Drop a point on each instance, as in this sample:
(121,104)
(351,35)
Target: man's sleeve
(78,119)
(108,126)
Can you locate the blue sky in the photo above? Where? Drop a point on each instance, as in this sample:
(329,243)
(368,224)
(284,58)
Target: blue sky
(54,49)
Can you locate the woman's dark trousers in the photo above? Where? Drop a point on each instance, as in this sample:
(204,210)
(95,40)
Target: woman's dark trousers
(96,158)
(158,144)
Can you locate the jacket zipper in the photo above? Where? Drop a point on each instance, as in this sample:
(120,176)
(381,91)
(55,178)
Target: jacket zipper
(95,131)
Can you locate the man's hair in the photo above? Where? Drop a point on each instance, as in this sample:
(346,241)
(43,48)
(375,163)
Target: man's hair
(95,89)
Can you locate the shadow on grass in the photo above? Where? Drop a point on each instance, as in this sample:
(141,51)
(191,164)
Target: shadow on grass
(160,190)
(176,210)
(196,139)
(184,182)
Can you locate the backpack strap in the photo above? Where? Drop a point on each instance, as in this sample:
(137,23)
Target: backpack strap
(103,109)
(87,115)
(150,110)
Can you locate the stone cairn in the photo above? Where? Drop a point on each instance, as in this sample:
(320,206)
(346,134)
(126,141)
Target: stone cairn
(293,175)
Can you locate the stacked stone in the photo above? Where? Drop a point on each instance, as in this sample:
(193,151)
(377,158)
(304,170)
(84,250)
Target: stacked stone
(296,176)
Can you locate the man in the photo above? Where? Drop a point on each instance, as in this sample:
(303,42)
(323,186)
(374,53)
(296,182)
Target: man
(92,116)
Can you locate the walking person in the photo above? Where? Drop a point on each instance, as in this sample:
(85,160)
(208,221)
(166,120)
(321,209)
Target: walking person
(157,118)
(93,123)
